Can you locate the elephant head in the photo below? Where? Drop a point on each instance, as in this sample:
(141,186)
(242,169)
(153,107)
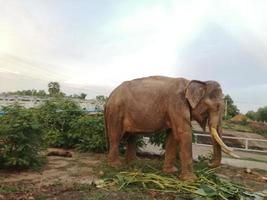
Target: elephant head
(207,106)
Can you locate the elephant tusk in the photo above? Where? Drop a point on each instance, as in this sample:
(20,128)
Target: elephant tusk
(225,148)
(233,155)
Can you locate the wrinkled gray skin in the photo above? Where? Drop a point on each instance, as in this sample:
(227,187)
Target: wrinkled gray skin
(155,103)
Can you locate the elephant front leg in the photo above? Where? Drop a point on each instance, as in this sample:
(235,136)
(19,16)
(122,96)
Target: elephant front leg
(185,154)
(131,148)
(170,154)
(113,156)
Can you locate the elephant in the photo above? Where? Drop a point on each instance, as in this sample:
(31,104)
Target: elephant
(149,104)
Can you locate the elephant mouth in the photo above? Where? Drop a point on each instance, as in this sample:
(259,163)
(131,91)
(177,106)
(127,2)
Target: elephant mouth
(225,148)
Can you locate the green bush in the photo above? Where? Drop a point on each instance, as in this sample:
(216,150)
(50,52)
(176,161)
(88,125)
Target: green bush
(20,138)
(90,133)
(56,116)
(259,128)
(159,138)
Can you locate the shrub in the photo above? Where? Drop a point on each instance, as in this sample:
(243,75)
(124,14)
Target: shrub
(259,128)
(56,116)
(20,138)
(90,133)
(159,138)
(244,122)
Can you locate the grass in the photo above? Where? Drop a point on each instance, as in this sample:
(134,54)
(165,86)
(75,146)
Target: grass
(237,126)
(4,189)
(252,127)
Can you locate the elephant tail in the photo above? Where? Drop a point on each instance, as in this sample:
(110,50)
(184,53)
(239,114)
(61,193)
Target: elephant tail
(106,128)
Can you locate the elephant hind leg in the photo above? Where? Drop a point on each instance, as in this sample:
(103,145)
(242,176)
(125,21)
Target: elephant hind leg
(131,148)
(115,134)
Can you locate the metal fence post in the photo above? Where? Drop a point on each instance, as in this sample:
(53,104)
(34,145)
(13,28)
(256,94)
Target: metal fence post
(246,144)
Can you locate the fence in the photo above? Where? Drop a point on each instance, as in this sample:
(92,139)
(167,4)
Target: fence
(246,142)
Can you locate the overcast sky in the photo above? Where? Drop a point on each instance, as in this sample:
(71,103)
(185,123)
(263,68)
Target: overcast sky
(92,46)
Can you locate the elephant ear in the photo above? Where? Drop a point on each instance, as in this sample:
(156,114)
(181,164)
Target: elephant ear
(194,92)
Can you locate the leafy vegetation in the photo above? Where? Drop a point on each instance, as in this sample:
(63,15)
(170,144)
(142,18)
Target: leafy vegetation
(159,138)
(146,176)
(33,92)
(237,126)
(206,186)
(262,114)
(20,138)
(249,126)
(259,115)
(251,115)
(57,123)
(89,130)
(53,91)
(231,108)
(78,96)
(56,117)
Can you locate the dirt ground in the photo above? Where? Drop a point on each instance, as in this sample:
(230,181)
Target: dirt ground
(73,178)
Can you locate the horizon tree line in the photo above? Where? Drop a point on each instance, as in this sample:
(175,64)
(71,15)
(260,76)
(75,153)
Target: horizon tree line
(54,90)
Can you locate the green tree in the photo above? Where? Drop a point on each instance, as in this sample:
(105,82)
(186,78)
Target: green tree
(56,116)
(83,95)
(251,115)
(32,92)
(262,114)
(41,93)
(76,96)
(53,88)
(28,92)
(232,109)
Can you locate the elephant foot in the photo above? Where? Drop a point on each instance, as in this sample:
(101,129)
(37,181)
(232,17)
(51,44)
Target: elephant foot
(114,163)
(129,159)
(214,163)
(169,170)
(188,177)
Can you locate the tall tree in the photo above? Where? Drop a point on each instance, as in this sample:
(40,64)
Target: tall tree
(262,114)
(41,93)
(83,95)
(251,115)
(53,88)
(231,108)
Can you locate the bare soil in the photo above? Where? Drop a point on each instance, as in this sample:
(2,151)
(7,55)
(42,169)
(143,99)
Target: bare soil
(67,178)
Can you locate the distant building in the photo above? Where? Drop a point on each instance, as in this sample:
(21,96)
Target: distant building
(89,105)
